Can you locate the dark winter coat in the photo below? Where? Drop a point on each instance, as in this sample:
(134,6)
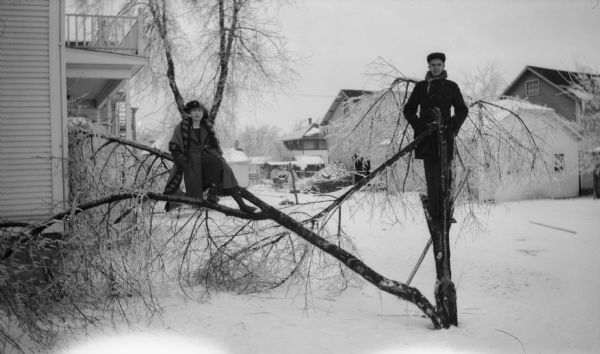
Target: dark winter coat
(426,96)
(198,155)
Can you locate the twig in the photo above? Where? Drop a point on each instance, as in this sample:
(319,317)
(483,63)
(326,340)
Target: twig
(553,227)
(522,346)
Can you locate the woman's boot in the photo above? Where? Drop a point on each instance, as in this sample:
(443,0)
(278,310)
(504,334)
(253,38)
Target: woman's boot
(213,194)
(235,194)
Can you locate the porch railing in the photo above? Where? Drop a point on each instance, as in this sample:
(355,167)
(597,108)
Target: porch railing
(119,34)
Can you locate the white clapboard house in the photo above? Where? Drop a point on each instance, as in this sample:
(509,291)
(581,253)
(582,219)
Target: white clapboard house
(554,173)
(55,67)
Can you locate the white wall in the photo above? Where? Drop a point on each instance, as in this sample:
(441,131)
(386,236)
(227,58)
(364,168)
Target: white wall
(336,154)
(32,146)
(543,182)
(241,170)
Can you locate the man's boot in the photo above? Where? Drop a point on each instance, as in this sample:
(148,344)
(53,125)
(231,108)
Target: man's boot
(235,194)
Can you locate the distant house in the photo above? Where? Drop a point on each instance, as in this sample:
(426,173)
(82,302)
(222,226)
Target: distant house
(553,88)
(336,111)
(554,175)
(56,68)
(308,140)
(240,164)
(549,87)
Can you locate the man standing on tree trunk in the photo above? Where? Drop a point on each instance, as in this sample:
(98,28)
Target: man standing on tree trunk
(436,91)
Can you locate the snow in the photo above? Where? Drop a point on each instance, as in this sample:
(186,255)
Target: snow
(508,105)
(313,131)
(304,160)
(517,282)
(259,160)
(234,155)
(581,94)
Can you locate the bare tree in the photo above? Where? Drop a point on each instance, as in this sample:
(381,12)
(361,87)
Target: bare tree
(261,140)
(373,127)
(218,48)
(586,86)
(484,83)
(114,207)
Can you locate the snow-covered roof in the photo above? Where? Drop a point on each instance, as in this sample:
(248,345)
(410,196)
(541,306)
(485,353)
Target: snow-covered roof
(259,160)
(301,161)
(501,109)
(560,79)
(504,108)
(311,130)
(305,160)
(280,163)
(233,155)
(341,97)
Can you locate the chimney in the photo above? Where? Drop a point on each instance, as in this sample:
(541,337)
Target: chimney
(309,121)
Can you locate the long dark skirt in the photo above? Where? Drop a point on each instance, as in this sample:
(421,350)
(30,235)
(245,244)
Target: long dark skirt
(215,170)
(206,167)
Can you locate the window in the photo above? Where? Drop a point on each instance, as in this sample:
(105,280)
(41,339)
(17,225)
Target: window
(559,162)
(532,88)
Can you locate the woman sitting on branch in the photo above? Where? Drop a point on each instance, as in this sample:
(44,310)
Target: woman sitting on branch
(199,159)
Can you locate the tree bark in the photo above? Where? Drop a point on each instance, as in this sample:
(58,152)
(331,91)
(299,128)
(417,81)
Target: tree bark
(226,36)
(160,19)
(445,291)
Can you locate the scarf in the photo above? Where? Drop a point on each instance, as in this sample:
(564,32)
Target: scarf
(176,176)
(430,78)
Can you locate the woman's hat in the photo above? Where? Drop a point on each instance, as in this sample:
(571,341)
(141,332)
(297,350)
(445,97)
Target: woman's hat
(193,105)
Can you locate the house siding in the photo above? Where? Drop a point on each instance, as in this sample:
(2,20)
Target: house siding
(549,96)
(31,158)
(337,154)
(544,181)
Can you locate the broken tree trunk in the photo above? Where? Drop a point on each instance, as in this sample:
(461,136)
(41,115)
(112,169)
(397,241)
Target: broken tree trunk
(439,228)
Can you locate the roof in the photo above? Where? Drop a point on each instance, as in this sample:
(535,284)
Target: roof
(355,93)
(506,107)
(259,160)
(342,96)
(234,155)
(309,131)
(300,161)
(304,160)
(560,79)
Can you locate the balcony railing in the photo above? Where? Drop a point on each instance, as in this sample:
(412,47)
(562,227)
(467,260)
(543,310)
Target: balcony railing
(118,34)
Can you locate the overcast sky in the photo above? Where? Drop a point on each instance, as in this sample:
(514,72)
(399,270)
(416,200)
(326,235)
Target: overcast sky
(337,40)
(340,38)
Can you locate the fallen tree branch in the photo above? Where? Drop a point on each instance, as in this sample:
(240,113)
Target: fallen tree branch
(393,287)
(142,196)
(111,138)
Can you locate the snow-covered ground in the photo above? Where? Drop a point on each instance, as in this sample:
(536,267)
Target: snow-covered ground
(522,288)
